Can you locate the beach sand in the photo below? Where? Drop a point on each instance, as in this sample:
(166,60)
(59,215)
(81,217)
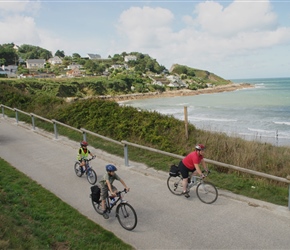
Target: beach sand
(182,92)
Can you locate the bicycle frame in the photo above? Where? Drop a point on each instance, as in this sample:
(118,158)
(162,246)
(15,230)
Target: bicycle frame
(87,164)
(205,190)
(89,171)
(119,197)
(125,213)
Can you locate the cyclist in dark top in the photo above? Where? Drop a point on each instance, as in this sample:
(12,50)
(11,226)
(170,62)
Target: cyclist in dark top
(107,185)
(191,163)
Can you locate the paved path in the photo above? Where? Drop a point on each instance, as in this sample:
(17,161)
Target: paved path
(165,221)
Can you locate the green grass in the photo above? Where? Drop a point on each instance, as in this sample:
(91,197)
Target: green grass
(33,218)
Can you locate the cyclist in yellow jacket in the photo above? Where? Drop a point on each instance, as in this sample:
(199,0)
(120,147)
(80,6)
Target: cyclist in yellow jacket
(83,154)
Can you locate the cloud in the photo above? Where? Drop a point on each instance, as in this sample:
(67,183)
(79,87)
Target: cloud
(212,33)
(19,29)
(145,27)
(18,25)
(20,6)
(239,16)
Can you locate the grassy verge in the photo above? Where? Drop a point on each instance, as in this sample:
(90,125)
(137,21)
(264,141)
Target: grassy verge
(33,218)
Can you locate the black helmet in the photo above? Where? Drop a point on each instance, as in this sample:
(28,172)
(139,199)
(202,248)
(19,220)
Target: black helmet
(111,168)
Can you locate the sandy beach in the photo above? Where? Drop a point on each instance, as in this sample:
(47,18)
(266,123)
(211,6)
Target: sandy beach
(182,92)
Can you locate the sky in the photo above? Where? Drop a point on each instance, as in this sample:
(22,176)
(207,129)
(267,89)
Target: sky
(233,39)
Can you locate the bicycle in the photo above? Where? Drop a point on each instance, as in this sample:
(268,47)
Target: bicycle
(125,213)
(91,174)
(205,191)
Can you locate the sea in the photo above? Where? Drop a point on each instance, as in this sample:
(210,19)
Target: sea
(259,114)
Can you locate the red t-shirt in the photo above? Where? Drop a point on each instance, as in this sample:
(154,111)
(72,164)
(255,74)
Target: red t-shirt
(191,159)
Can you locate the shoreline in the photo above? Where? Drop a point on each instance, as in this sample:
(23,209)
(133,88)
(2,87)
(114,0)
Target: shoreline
(182,92)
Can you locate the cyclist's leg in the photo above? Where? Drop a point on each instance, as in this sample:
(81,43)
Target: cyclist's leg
(104,195)
(192,174)
(184,173)
(82,164)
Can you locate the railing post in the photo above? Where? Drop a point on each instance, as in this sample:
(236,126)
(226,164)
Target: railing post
(3,111)
(288,178)
(16,115)
(126,155)
(32,121)
(55,130)
(84,136)
(289,197)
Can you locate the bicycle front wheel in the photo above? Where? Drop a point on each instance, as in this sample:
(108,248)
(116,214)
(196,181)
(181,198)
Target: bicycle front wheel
(92,176)
(77,169)
(174,184)
(206,192)
(127,216)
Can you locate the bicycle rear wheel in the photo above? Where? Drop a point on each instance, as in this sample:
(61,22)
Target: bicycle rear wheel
(97,206)
(91,176)
(77,169)
(127,216)
(206,192)
(174,184)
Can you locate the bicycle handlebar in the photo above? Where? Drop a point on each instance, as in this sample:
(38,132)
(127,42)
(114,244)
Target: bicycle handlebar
(207,173)
(89,159)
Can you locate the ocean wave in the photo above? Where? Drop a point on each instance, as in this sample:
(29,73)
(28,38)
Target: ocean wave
(261,130)
(260,85)
(211,119)
(283,123)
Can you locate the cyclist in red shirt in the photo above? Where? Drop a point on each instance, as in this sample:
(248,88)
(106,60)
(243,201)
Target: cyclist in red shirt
(191,163)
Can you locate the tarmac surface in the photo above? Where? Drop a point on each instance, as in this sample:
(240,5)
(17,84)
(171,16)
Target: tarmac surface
(165,221)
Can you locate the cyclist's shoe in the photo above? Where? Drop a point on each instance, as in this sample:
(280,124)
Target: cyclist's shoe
(186,194)
(105,215)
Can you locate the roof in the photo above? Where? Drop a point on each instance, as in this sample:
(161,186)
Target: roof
(35,61)
(94,56)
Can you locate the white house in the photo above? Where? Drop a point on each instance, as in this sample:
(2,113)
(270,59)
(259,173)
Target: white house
(55,60)
(35,63)
(130,58)
(74,66)
(10,69)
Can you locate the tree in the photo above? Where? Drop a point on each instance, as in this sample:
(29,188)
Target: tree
(26,51)
(8,55)
(76,56)
(60,53)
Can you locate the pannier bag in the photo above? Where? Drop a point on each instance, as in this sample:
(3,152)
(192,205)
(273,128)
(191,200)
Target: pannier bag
(174,170)
(96,193)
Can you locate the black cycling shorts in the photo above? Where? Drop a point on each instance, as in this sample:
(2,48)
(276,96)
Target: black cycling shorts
(184,170)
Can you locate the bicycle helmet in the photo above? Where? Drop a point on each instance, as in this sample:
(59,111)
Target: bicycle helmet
(84,143)
(111,168)
(200,147)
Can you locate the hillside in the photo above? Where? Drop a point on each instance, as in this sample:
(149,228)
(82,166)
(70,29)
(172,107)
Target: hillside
(142,72)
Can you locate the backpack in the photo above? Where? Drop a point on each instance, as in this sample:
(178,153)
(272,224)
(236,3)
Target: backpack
(174,170)
(96,193)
